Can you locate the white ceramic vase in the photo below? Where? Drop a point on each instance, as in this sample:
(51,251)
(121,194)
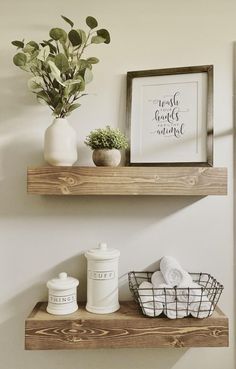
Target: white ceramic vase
(60,143)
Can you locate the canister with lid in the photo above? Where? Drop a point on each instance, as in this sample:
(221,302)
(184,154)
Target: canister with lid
(102,279)
(62,295)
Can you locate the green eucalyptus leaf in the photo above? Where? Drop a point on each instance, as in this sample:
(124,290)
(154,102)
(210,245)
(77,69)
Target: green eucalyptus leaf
(93,60)
(88,76)
(45,67)
(52,48)
(91,22)
(55,72)
(57,33)
(73,89)
(105,34)
(42,97)
(61,62)
(55,98)
(55,84)
(82,35)
(35,84)
(33,44)
(34,61)
(68,21)
(28,49)
(70,82)
(97,40)
(56,101)
(29,58)
(82,64)
(26,68)
(58,109)
(73,107)
(35,65)
(82,83)
(18,44)
(74,37)
(63,37)
(20,59)
(44,53)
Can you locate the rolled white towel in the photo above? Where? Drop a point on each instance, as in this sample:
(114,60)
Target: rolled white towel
(176,310)
(173,273)
(157,279)
(201,309)
(190,293)
(165,293)
(145,291)
(150,306)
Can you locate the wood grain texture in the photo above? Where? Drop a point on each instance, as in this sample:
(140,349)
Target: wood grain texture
(193,181)
(124,328)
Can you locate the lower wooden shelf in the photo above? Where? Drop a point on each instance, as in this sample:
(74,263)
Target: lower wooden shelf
(124,328)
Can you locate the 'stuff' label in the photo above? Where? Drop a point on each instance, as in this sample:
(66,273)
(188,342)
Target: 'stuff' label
(101,275)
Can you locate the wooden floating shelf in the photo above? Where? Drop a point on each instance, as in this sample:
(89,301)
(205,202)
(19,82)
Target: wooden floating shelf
(193,181)
(124,328)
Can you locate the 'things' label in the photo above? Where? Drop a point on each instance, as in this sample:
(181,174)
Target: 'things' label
(62,299)
(101,275)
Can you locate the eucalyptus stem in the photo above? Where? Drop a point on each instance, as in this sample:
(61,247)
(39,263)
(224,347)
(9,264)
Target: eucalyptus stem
(58,50)
(85,45)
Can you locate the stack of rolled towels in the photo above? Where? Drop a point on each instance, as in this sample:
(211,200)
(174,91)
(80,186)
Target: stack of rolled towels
(173,292)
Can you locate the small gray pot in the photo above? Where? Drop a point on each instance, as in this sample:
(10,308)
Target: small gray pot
(106,157)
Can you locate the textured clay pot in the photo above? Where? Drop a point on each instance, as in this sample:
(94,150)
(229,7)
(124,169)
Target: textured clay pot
(106,158)
(60,144)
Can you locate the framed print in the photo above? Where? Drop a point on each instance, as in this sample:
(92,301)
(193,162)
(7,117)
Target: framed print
(170,116)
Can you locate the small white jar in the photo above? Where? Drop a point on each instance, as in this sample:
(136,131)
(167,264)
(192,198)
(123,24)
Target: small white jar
(62,295)
(102,280)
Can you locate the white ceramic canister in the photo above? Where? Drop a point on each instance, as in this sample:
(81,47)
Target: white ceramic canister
(62,295)
(102,280)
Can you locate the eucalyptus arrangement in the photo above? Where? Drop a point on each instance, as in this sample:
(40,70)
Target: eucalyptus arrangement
(59,75)
(59,70)
(106,144)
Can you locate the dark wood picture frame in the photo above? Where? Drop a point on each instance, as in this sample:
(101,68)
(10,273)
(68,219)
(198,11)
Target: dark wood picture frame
(209,103)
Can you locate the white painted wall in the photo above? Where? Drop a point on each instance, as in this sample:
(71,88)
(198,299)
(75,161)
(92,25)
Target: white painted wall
(40,236)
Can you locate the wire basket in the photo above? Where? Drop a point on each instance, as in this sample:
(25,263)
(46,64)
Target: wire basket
(199,302)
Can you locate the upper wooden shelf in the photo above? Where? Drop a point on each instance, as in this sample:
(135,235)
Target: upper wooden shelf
(124,328)
(193,181)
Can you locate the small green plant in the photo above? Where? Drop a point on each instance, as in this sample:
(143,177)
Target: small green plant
(59,71)
(106,138)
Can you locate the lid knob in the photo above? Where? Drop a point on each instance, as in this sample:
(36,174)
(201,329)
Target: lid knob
(102,246)
(62,275)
